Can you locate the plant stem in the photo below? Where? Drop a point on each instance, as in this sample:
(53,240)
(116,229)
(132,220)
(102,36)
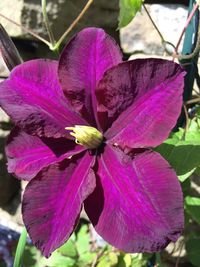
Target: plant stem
(98,255)
(20,249)
(193,101)
(46,21)
(184,29)
(186,118)
(155,26)
(27,31)
(57,45)
(179,255)
(164,42)
(54,46)
(196,49)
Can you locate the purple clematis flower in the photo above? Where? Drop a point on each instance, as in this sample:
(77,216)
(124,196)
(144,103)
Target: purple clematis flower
(116,111)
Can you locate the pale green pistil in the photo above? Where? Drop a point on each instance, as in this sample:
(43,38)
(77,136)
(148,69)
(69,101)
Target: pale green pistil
(86,136)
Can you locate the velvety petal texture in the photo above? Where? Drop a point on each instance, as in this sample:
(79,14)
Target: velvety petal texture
(137,205)
(53,199)
(32,97)
(82,64)
(27,154)
(130,193)
(142,100)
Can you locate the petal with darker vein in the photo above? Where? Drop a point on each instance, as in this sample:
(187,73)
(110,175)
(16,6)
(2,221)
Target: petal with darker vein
(137,205)
(27,154)
(53,199)
(140,99)
(32,97)
(82,64)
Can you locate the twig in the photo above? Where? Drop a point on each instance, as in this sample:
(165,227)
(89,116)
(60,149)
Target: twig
(196,91)
(179,255)
(27,30)
(196,50)
(52,46)
(72,25)
(187,118)
(46,22)
(192,101)
(164,42)
(99,254)
(184,29)
(155,26)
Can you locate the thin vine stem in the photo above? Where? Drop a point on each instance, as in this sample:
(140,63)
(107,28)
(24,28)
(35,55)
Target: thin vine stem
(179,255)
(46,22)
(164,42)
(155,26)
(193,101)
(99,254)
(58,43)
(54,46)
(196,49)
(27,30)
(195,7)
(187,118)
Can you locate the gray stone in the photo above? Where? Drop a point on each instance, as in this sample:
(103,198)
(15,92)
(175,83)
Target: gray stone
(61,13)
(140,35)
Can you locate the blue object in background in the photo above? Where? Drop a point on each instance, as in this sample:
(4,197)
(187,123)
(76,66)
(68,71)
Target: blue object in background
(190,65)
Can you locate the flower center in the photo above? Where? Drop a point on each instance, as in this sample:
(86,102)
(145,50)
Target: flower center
(86,136)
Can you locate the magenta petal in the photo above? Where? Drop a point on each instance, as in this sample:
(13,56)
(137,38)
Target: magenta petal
(27,154)
(82,64)
(53,199)
(143,97)
(137,205)
(32,97)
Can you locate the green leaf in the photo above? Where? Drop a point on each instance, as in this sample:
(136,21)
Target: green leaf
(83,240)
(68,249)
(186,185)
(192,248)
(197,171)
(86,259)
(20,249)
(32,256)
(127,260)
(56,260)
(159,262)
(139,260)
(123,260)
(128,10)
(108,260)
(182,155)
(193,133)
(183,177)
(192,207)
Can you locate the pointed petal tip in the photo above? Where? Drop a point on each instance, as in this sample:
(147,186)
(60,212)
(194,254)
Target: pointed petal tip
(28,154)
(50,215)
(147,110)
(137,205)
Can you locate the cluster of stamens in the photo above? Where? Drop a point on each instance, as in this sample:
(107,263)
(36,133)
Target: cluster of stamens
(86,136)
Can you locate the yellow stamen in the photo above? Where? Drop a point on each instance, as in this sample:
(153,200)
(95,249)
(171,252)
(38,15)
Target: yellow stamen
(86,136)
